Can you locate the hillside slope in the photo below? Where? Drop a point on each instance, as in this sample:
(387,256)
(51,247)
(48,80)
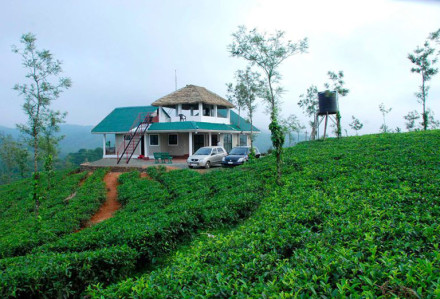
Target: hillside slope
(355,217)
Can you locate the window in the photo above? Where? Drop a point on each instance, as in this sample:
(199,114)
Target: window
(243,140)
(220,150)
(172,139)
(214,151)
(127,137)
(154,140)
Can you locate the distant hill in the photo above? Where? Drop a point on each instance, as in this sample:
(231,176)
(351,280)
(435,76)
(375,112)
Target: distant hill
(76,137)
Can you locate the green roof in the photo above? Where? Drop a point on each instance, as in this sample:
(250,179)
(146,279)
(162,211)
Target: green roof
(121,120)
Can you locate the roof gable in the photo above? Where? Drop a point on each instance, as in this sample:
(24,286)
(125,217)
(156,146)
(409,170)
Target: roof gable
(121,119)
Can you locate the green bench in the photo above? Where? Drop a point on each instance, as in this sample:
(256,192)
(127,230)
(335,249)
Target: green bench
(162,157)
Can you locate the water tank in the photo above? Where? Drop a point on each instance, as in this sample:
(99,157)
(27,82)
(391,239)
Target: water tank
(328,102)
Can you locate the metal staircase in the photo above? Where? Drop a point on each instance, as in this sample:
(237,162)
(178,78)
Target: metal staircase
(134,136)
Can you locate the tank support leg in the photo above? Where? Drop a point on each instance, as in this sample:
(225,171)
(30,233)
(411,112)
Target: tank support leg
(325,126)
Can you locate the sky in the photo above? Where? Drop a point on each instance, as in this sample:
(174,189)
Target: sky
(126,53)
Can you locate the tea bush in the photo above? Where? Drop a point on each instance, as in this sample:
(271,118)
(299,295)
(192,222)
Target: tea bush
(356,217)
(21,231)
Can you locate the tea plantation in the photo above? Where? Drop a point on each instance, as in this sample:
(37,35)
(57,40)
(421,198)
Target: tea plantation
(356,217)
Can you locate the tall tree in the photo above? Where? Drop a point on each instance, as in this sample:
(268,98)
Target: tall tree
(384,111)
(268,52)
(309,103)
(356,124)
(245,93)
(44,85)
(337,85)
(424,62)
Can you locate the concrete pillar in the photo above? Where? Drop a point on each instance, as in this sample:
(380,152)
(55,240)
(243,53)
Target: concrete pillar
(145,145)
(215,111)
(190,143)
(201,110)
(179,109)
(228,115)
(103,144)
(210,138)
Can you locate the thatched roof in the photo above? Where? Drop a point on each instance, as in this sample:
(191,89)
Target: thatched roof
(192,94)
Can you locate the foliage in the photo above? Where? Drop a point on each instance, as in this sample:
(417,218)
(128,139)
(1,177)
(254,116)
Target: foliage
(309,103)
(66,207)
(83,155)
(356,124)
(423,65)
(356,218)
(290,125)
(384,128)
(267,53)
(14,159)
(411,118)
(244,93)
(32,276)
(38,94)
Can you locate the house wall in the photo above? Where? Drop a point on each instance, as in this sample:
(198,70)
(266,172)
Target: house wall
(182,147)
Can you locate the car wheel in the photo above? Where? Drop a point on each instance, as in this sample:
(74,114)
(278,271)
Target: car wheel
(189,166)
(208,165)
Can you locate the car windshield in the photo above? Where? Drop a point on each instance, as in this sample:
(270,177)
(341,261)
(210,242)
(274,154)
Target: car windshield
(203,151)
(239,151)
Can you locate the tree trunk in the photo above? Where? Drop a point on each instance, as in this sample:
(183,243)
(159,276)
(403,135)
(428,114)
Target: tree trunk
(425,117)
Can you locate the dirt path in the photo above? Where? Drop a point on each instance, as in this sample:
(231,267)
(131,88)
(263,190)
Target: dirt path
(111,205)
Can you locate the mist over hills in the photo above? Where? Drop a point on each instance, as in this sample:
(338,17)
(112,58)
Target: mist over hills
(76,137)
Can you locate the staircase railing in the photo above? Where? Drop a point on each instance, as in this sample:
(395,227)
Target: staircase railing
(134,136)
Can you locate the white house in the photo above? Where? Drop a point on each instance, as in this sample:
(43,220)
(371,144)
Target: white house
(178,123)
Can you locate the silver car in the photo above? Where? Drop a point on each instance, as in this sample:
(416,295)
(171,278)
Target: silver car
(207,156)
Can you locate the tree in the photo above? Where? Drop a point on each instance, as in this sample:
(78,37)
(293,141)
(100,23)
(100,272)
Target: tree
(245,92)
(384,111)
(291,124)
(14,158)
(309,103)
(267,53)
(424,65)
(44,86)
(411,118)
(356,124)
(337,85)
(435,36)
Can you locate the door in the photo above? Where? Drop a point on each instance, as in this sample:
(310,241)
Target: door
(214,139)
(199,141)
(143,146)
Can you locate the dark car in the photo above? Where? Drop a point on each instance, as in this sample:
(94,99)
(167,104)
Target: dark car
(238,155)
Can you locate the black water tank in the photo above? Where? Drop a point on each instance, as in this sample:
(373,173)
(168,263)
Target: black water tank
(328,102)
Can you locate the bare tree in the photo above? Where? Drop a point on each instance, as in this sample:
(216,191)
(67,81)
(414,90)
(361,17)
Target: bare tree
(384,111)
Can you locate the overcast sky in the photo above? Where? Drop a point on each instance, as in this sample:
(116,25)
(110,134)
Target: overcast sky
(124,53)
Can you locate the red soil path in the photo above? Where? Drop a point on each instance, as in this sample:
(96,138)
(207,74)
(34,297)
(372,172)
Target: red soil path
(111,205)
